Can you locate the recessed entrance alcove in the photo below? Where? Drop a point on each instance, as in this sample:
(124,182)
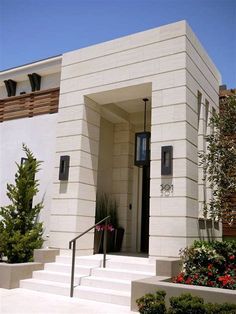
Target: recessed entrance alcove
(122,115)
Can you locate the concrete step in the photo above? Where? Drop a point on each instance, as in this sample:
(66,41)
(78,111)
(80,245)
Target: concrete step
(66,268)
(92,282)
(133,266)
(46,286)
(95,261)
(83,292)
(120,274)
(106,283)
(103,295)
(56,276)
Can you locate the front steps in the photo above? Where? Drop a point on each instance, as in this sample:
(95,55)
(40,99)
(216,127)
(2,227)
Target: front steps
(111,284)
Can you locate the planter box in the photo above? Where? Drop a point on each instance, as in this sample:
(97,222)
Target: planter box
(11,274)
(151,284)
(97,241)
(114,240)
(167,266)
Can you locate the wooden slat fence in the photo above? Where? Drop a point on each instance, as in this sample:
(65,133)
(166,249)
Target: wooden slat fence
(29,105)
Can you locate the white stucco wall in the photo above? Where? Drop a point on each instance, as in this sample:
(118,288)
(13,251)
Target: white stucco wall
(39,134)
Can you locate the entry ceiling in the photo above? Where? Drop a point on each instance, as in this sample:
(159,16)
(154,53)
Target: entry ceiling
(133,105)
(127,98)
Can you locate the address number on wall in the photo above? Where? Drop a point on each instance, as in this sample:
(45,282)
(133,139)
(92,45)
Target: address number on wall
(168,188)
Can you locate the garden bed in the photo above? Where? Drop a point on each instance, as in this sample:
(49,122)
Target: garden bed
(152,284)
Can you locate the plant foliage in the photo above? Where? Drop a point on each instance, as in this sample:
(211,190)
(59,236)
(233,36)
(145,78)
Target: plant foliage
(210,264)
(186,304)
(21,232)
(219,162)
(183,304)
(152,303)
(106,206)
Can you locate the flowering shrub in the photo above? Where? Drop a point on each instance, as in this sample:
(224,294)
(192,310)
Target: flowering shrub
(211,264)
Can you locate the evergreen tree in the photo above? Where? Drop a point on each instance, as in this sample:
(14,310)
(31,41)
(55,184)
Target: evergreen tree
(21,232)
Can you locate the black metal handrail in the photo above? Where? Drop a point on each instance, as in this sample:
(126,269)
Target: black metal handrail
(73,244)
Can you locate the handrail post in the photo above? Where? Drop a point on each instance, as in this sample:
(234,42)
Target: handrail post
(72,270)
(72,244)
(105,245)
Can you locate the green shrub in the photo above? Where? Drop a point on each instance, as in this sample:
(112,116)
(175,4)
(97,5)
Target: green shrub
(225,308)
(21,232)
(183,304)
(210,264)
(186,304)
(152,303)
(2,240)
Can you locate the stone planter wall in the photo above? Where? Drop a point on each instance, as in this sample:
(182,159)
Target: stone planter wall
(11,274)
(45,255)
(151,284)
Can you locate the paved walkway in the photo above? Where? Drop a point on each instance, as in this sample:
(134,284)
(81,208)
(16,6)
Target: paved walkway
(22,301)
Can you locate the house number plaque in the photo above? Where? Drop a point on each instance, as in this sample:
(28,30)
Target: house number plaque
(167,188)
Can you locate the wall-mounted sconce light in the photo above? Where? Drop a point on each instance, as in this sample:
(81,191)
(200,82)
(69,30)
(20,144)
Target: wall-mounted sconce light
(35,81)
(166,160)
(142,144)
(23,160)
(64,168)
(10,87)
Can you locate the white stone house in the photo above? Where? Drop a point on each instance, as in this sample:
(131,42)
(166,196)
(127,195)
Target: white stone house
(101,107)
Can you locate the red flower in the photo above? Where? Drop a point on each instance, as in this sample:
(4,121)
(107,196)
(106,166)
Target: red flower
(232,257)
(210,266)
(210,283)
(210,274)
(180,278)
(225,279)
(188,281)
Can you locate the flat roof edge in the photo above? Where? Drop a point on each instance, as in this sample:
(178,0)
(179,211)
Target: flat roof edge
(28,65)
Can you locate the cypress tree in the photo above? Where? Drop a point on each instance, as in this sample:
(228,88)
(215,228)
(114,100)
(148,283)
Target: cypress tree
(21,232)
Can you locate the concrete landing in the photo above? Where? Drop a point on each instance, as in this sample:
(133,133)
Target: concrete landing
(22,301)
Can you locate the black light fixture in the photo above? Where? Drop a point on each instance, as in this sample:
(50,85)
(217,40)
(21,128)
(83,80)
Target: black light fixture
(35,81)
(23,160)
(10,87)
(166,160)
(64,168)
(142,143)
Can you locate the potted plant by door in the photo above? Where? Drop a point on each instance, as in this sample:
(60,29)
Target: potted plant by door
(118,234)
(101,212)
(105,206)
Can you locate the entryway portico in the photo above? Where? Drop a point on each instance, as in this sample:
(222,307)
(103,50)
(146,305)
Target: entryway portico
(99,87)
(118,177)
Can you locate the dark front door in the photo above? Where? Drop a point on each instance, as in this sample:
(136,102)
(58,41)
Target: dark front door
(145,209)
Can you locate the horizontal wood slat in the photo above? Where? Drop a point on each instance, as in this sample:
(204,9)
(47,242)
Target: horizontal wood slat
(229,230)
(29,105)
